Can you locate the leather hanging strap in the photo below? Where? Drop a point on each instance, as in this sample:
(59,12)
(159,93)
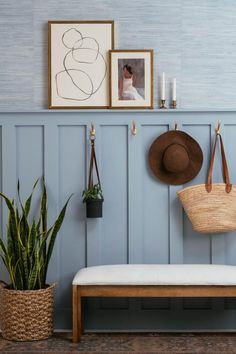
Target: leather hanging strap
(225,171)
(93,161)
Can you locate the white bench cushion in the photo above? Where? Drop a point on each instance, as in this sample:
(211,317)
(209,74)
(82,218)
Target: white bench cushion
(157,274)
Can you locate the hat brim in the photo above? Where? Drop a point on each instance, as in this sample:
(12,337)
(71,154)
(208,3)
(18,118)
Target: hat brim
(156,157)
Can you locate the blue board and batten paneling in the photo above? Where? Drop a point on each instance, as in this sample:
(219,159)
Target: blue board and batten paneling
(143,220)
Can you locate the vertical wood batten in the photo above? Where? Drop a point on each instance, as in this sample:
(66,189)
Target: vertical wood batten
(218,255)
(71,181)
(175,232)
(9,159)
(8,174)
(93,226)
(94,237)
(135,205)
(51,160)
(175,236)
(230,239)
(135,188)
(175,222)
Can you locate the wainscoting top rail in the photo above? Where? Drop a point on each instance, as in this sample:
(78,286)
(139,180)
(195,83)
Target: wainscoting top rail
(156,110)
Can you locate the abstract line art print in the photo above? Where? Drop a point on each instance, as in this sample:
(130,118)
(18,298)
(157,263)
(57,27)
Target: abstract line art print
(78,63)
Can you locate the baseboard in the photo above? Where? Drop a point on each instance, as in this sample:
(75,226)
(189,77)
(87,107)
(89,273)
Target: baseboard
(152,331)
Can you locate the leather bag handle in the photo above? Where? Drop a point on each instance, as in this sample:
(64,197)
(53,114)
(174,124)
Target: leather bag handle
(225,171)
(93,161)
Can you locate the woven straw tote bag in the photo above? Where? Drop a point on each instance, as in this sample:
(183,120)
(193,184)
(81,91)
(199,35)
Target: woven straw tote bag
(211,207)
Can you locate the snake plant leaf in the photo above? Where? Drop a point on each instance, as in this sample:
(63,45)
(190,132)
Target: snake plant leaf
(26,207)
(44,207)
(12,217)
(24,225)
(25,266)
(32,238)
(25,211)
(44,216)
(12,273)
(28,201)
(12,245)
(5,254)
(18,276)
(23,229)
(42,255)
(18,193)
(33,277)
(3,248)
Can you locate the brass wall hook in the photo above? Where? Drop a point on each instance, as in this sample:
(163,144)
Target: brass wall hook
(218,128)
(133,128)
(92,132)
(176,126)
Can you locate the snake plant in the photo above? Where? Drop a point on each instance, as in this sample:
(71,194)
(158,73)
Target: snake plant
(28,245)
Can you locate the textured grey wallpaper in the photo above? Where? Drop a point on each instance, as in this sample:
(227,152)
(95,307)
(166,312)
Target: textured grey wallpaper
(194,41)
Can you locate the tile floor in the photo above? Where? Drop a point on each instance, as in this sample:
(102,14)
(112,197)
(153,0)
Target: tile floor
(144,343)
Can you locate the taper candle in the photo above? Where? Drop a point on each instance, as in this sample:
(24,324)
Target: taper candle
(163,87)
(174,90)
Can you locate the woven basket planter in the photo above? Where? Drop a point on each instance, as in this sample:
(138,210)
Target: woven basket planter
(26,315)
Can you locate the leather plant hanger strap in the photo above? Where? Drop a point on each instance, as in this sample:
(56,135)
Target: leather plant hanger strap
(93,161)
(225,171)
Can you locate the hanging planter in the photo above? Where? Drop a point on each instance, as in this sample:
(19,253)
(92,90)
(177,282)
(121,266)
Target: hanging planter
(93,199)
(92,195)
(94,208)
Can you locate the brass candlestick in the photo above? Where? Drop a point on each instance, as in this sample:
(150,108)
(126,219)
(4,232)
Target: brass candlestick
(163,104)
(174,104)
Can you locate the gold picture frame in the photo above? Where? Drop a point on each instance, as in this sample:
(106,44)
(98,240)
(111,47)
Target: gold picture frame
(73,77)
(131,79)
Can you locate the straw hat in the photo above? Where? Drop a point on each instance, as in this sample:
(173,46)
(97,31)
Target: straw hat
(175,157)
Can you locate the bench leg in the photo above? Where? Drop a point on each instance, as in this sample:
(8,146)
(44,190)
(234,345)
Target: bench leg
(82,315)
(77,318)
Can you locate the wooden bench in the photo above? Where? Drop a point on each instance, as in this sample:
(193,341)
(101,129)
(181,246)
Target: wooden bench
(150,280)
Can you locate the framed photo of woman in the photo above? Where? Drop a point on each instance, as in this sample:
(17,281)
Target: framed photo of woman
(131,79)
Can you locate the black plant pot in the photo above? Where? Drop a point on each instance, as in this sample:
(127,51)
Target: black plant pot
(94,208)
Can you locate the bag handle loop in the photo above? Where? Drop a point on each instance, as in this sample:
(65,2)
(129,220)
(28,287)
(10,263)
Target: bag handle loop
(225,171)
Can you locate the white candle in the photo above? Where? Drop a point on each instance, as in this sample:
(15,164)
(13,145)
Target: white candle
(174,90)
(163,87)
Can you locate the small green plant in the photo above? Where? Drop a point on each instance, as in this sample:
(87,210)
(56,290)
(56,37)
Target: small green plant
(93,193)
(29,245)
